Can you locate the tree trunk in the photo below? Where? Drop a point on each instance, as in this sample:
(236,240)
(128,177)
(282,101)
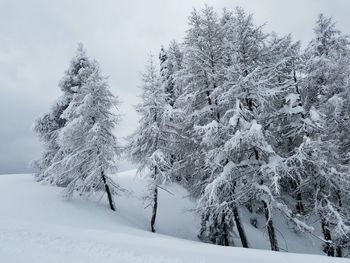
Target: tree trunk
(299,205)
(238,222)
(225,235)
(240,228)
(108,191)
(328,248)
(155,206)
(271,229)
(155,202)
(338,251)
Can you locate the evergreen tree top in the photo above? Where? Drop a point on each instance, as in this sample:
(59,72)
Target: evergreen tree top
(78,71)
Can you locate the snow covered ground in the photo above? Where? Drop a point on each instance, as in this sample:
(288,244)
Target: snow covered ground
(36,225)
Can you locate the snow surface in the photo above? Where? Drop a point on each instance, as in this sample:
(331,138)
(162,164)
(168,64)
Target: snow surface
(37,225)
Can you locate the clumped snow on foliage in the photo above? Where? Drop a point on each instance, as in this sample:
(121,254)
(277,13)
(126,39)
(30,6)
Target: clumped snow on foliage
(255,128)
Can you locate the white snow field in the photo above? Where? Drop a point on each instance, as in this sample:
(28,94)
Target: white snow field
(38,226)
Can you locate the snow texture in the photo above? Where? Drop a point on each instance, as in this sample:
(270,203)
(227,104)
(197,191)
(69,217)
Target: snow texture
(36,225)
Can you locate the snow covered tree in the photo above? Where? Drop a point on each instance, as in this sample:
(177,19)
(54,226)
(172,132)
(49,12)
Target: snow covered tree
(246,168)
(86,144)
(148,145)
(218,198)
(341,115)
(88,138)
(199,77)
(49,126)
(326,77)
(170,66)
(286,121)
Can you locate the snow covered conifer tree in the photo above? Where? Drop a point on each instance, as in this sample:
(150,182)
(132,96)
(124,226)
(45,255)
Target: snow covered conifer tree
(88,138)
(87,145)
(318,159)
(241,41)
(286,122)
(202,76)
(170,67)
(49,126)
(245,166)
(148,145)
(199,77)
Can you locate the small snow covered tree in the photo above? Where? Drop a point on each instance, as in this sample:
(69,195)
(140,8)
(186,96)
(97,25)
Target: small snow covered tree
(148,144)
(49,126)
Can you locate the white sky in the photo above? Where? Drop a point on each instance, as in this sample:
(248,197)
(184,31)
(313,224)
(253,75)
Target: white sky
(38,39)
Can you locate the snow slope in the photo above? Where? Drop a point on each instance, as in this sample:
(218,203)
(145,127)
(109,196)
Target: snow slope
(36,225)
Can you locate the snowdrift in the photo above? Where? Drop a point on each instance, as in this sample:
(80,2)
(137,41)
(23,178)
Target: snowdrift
(37,225)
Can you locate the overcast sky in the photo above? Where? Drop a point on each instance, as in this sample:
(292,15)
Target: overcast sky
(38,39)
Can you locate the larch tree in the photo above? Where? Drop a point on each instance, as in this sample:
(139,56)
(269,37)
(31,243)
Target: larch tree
(170,65)
(148,145)
(247,169)
(87,141)
(241,41)
(318,159)
(199,75)
(49,126)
